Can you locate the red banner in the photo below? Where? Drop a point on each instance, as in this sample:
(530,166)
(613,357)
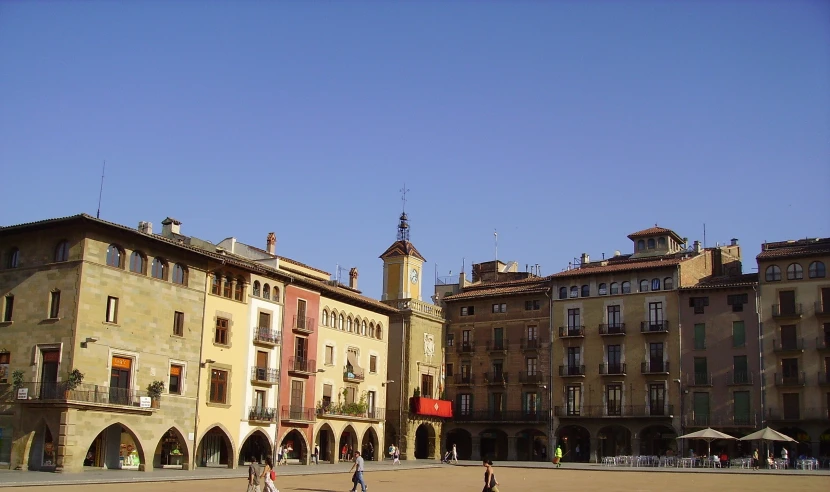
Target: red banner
(428,406)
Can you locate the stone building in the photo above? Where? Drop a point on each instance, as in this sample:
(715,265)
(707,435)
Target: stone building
(795,317)
(617,344)
(720,358)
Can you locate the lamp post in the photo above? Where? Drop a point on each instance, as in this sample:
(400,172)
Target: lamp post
(680,414)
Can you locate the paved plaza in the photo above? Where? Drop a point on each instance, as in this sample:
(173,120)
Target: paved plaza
(419,476)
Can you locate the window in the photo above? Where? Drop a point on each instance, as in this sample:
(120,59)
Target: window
(257,288)
(112,310)
(613,399)
(794,272)
(325,319)
(531,403)
(5,360)
(585,291)
(174,387)
(349,324)
(655,313)
(159,269)
(651,243)
(741,367)
(657,398)
(468,311)
(14,258)
(329,355)
(773,273)
(426,385)
(573,319)
(500,308)
(741,407)
(275,294)
(179,274)
(226,287)
(138,263)
(699,303)
(626,287)
(816,270)
(379,333)
(266,291)
(573,400)
(340,322)
(668,283)
(737,302)
(218,386)
(178,324)
(449,370)
(738,334)
(54,304)
(614,316)
(574,361)
(216,285)
(614,356)
(532,365)
(373,363)
(450,339)
(533,305)
(700,336)
(532,332)
(363,328)
(602,289)
(661,242)
(563,292)
(655,284)
(643,285)
(574,292)
(465,403)
(62,251)
(9,308)
(220,337)
(641,245)
(115,256)
(371,330)
(615,288)
(239,290)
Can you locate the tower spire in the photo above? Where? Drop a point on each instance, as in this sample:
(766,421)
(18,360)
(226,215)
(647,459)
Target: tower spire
(403,225)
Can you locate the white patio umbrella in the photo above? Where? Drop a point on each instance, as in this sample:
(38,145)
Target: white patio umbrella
(767,434)
(707,435)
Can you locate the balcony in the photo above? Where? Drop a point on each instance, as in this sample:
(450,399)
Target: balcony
(264,375)
(712,420)
(654,367)
(654,327)
(303,325)
(86,395)
(464,379)
(350,411)
(497,346)
(786,310)
(797,379)
(430,407)
(699,379)
(822,308)
(531,377)
(495,378)
(302,415)
(572,371)
(823,343)
(352,375)
(531,344)
(612,369)
(266,336)
(614,329)
(614,411)
(571,331)
(740,378)
(262,414)
(788,345)
(302,366)
(796,414)
(465,347)
(502,416)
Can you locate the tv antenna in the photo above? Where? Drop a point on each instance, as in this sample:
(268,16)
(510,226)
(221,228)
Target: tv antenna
(101,190)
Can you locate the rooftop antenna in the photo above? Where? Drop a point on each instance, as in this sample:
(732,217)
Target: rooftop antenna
(403,226)
(496,264)
(101,190)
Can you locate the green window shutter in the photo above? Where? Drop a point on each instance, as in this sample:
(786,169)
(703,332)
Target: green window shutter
(524,402)
(738,334)
(700,336)
(741,403)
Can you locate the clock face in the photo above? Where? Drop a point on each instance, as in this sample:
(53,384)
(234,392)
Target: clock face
(413,276)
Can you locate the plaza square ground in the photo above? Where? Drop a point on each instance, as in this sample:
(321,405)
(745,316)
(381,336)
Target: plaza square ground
(383,478)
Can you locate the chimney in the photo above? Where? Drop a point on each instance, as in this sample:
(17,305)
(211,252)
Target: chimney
(353,278)
(271,241)
(145,227)
(734,241)
(585,258)
(697,247)
(170,227)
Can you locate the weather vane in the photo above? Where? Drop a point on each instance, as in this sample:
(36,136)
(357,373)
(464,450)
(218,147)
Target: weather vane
(403,191)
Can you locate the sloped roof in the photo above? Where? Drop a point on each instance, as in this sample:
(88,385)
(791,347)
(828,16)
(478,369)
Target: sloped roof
(496,289)
(402,248)
(626,265)
(726,282)
(795,249)
(655,231)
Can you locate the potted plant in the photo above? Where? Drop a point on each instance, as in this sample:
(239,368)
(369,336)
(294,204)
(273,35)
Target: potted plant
(74,380)
(154,390)
(17,379)
(417,392)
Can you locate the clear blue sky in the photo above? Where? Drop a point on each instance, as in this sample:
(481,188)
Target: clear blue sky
(564,125)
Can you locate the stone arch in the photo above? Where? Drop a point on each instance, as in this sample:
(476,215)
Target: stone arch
(613,440)
(656,439)
(257,446)
(463,441)
(493,444)
(110,444)
(165,454)
(298,442)
(325,439)
(216,447)
(347,437)
(370,453)
(425,437)
(575,441)
(824,443)
(36,444)
(530,443)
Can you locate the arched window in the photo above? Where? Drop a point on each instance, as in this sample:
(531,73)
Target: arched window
(651,243)
(372,330)
(602,289)
(159,269)
(585,291)
(641,245)
(266,291)
(257,288)
(62,251)
(340,322)
(14,258)
(563,292)
(816,270)
(226,287)
(773,273)
(275,294)
(363,328)
(655,284)
(115,256)
(615,288)
(574,291)
(138,263)
(239,291)
(379,332)
(668,283)
(325,318)
(626,287)
(216,284)
(179,274)
(349,324)
(661,242)
(794,272)
(643,285)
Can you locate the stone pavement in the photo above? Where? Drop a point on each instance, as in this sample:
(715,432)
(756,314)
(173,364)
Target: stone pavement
(17,478)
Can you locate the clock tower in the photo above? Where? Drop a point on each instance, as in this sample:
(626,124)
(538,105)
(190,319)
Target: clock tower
(402,267)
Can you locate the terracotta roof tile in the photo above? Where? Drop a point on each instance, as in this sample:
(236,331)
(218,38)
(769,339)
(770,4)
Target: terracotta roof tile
(795,249)
(494,289)
(402,248)
(651,231)
(303,265)
(621,266)
(726,281)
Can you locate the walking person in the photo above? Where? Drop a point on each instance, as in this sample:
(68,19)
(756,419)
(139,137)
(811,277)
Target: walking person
(454,458)
(253,477)
(269,475)
(396,457)
(357,477)
(557,456)
(316,455)
(279,454)
(490,482)
(755,459)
